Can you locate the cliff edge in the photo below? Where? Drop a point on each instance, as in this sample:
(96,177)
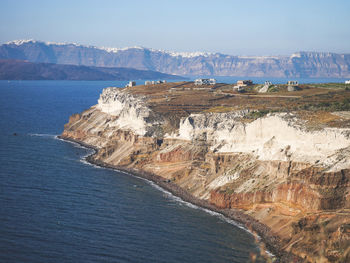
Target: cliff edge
(275,169)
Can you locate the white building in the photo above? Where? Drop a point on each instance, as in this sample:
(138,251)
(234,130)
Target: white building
(131,84)
(347,81)
(148,82)
(244,82)
(293,85)
(198,81)
(212,81)
(204,81)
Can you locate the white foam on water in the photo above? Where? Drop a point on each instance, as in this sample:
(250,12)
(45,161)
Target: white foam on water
(180,200)
(43,135)
(77,145)
(83,159)
(167,193)
(213,213)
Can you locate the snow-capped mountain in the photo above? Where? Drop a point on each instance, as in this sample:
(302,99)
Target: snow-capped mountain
(300,64)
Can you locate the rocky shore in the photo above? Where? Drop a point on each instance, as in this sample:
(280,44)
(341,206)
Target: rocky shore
(267,241)
(285,182)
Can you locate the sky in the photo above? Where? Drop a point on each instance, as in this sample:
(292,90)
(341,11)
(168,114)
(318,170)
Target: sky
(245,27)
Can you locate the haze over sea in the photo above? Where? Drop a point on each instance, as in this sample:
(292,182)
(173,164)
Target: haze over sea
(54,207)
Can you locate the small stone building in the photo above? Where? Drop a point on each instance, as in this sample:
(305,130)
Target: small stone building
(244,82)
(241,84)
(293,85)
(131,84)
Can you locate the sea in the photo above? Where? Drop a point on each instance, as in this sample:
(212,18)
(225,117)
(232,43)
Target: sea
(56,207)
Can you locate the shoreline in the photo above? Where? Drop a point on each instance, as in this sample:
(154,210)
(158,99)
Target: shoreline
(273,244)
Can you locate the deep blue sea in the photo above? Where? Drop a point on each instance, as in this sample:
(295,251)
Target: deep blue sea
(54,207)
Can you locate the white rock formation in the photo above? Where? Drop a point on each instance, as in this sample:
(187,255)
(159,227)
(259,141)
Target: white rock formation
(264,89)
(274,137)
(197,125)
(133,113)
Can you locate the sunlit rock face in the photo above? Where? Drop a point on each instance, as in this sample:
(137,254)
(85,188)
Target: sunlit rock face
(273,168)
(275,137)
(132,112)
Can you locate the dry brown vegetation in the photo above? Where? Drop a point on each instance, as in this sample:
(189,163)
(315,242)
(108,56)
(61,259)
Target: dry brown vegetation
(313,102)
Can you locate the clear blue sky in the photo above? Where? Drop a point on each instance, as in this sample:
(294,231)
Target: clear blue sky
(244,27)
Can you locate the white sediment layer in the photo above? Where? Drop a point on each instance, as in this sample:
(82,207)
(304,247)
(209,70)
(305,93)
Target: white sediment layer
(133,114)
(275,137)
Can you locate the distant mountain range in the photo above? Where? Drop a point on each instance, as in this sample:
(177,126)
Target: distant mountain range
(24,70)
(300,64)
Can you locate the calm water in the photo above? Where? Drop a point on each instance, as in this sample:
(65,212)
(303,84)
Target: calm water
(56,208)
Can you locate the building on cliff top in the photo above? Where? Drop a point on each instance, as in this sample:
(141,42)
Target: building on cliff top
(149,82)
(241,84)
(131,84)
(293,85)
(204,81)
(244,82)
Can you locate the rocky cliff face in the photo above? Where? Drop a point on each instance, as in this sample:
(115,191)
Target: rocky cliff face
(23,70)
(276,137)
(301,64)
(295,181)
(131,112)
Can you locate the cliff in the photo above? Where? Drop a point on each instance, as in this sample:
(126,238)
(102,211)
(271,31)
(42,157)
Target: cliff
(300,64)
(274,169)
(11,69)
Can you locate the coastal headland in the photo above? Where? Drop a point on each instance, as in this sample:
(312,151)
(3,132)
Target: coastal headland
(277,162)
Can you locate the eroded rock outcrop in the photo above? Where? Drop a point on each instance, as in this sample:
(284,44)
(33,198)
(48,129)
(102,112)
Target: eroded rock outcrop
(272,168)
(275,137)
(132,112)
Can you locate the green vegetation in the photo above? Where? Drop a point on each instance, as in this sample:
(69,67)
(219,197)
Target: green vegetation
(258,114)
(273,89)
